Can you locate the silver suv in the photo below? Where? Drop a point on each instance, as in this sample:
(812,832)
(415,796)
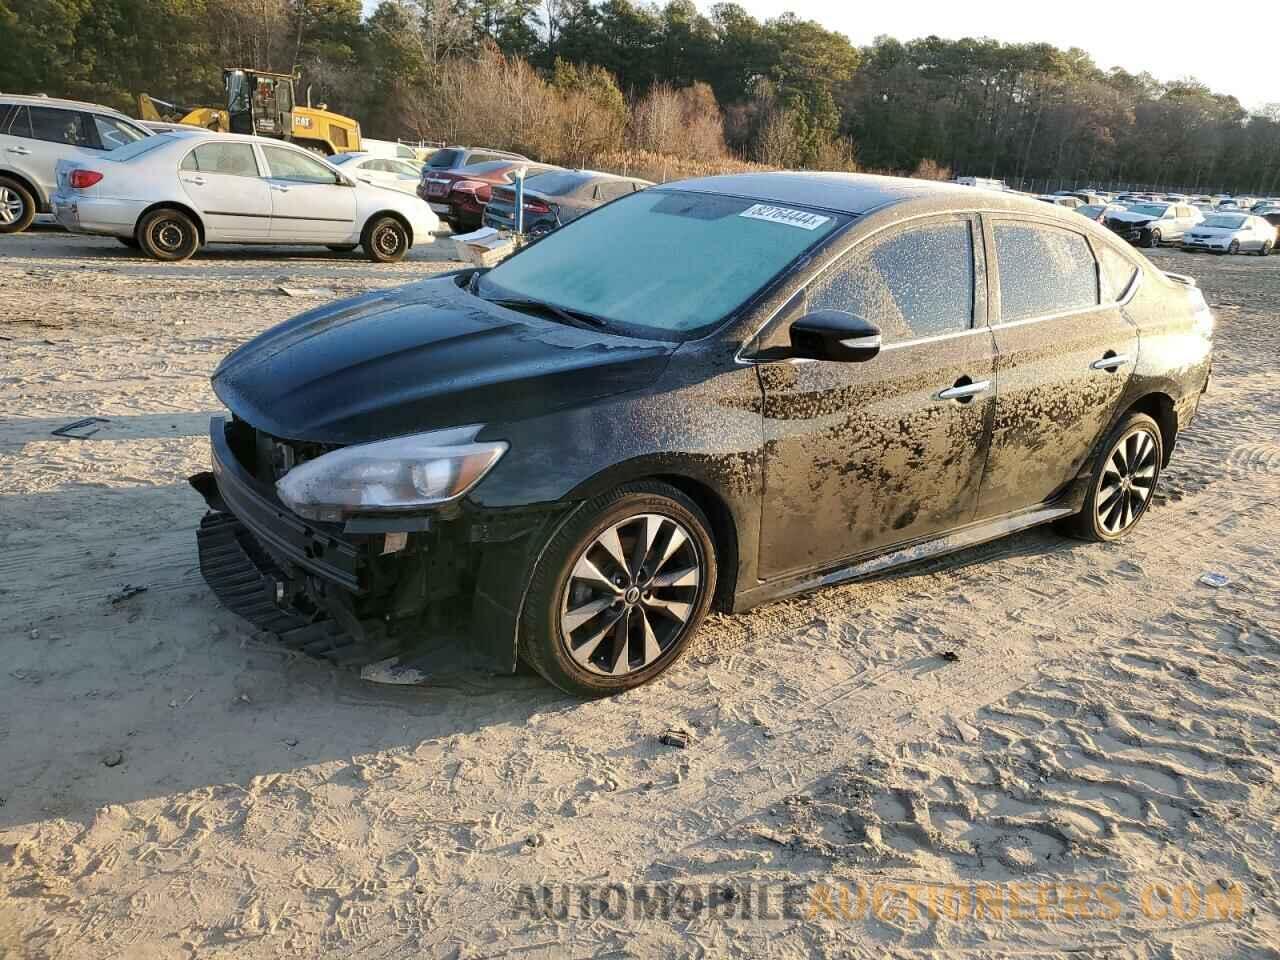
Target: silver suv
(37,132)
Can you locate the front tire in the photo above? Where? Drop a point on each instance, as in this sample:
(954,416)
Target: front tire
(1234,248)
(1123,481)
(619,591)
(17,206)
(168,235)
(1153,239)
(385,240)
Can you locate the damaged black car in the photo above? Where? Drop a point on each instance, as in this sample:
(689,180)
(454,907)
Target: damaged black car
(713,393)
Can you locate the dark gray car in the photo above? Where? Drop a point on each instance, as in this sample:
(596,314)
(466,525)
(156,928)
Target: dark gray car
(554,199)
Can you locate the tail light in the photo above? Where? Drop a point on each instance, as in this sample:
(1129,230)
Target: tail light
(470,186)
(83,179)
(537,206)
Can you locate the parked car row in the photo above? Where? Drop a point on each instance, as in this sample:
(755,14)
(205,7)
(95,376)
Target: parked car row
(169,189)
(1221,227)
(469,188)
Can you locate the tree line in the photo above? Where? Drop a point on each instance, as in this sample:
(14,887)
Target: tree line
(574,80)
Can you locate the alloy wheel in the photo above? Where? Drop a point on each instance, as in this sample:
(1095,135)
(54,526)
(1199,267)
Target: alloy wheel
(1234,248)
(1127,481)
(11,206)
(630,595)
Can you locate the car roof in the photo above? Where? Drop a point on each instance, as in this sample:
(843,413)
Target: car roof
(852,193)
(38,100)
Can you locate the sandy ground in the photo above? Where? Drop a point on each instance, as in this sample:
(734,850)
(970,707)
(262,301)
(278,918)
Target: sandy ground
(1100,754)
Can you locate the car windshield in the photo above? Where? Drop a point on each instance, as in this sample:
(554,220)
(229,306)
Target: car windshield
(1149,209)
(664,264)
(1230,223)
(444,159)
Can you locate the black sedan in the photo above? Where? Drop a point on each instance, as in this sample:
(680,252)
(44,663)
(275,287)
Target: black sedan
(712,393)
(556,198)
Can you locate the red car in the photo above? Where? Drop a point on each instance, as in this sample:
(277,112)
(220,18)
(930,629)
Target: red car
(459,196)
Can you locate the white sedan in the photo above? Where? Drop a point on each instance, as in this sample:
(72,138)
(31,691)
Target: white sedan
(402,175)
(1231,233)
(172,193)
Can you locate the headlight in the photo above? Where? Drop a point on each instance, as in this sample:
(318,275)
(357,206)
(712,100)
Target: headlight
(405,473)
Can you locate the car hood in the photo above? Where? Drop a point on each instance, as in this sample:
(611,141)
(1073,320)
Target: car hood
(422,357)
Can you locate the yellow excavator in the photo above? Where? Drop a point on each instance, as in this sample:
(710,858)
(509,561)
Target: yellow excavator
(262,103)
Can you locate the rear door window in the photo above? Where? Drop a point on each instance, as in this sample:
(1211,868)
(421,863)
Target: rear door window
(61,126)
(1044,270)
(912,283)
(232,159)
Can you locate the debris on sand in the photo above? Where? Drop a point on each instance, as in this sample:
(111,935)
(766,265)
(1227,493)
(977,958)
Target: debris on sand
(305,291)
(1214,579)
(76,430)
(676,737)
(128,592)
(113,759)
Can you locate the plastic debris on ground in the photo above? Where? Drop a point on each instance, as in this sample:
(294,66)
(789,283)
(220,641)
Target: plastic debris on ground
(1212,579)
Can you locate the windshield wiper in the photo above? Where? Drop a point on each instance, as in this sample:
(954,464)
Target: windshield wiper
(577,317)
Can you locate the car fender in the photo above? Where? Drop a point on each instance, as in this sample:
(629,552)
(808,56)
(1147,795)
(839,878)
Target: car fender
(33,185)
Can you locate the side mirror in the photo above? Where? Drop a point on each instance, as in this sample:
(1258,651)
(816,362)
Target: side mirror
(834,335)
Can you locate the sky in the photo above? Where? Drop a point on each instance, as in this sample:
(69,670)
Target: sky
(1227,46)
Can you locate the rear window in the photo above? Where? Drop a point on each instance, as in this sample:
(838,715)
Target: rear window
(489,166)
(1043,271)
(444,159)
(139,147)
(1229,223)
(557,183)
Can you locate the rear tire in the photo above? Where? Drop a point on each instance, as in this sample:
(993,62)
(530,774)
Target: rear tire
(1266,248)
(385,240)
(1123,481)
(17,206)
(168,235)
(597,618)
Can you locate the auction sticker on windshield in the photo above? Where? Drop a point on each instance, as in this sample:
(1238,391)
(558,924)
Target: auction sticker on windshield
(792,218)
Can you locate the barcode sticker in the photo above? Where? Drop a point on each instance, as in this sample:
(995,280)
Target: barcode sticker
(791,217)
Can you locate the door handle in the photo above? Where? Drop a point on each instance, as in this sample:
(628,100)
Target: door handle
(279,188)
(20,151)
(1110,362)
(198,181)
(965,389)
